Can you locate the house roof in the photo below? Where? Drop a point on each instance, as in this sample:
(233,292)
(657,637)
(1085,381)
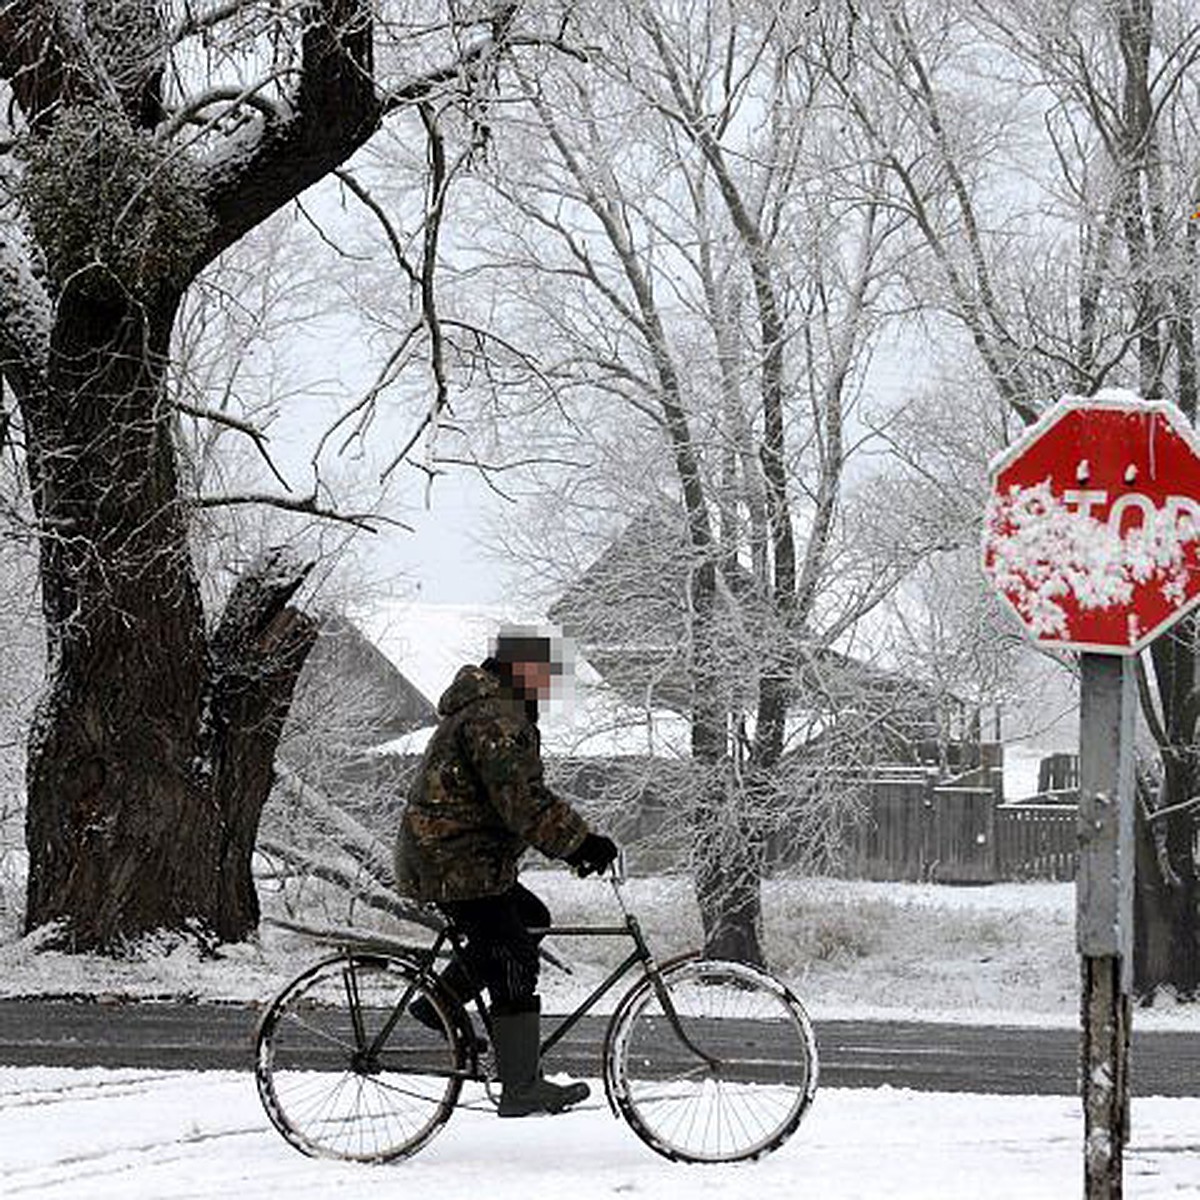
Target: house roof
(429,642)
(344,668)
(628,614)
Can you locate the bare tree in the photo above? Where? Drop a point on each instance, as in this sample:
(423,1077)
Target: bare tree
(702,265)
(1084,276)
(142,141)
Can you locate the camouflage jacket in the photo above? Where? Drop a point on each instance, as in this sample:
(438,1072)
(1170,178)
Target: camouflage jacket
(478,801)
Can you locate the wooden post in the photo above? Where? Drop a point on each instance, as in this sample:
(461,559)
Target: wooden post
(1104,912)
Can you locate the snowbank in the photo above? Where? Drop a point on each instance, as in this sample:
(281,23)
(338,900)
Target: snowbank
(1002,954)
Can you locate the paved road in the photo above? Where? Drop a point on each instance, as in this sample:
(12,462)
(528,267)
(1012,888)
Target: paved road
(907,1054)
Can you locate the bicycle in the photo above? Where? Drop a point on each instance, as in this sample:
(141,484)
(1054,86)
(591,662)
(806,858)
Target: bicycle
(706,1060)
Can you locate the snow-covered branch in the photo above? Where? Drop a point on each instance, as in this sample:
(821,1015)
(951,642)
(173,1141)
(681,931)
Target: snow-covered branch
(307,505)
(339,102)
(232,98)
(199,22)
(364,889)
(350,835)
(229,421)
(1185,806)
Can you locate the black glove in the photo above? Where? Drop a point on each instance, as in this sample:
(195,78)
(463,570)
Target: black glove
(593,854)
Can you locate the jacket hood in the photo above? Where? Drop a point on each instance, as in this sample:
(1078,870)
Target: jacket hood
(479,683)
(471,683)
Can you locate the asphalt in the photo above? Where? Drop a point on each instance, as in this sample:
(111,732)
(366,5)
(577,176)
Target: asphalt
(901,1054)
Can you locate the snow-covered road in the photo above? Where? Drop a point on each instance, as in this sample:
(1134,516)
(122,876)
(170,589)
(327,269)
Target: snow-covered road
(95,1134)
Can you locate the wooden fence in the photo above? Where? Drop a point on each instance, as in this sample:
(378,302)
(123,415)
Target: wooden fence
(1037,841)
(906,826)
(912,829)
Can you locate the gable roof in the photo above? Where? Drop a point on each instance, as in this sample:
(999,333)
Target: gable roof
(628,614)
(429,642)
(346,675)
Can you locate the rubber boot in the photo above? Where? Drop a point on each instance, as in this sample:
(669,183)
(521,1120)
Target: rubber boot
(524,1092)
(459,984)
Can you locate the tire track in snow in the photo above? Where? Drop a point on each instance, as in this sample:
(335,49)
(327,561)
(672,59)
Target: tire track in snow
(83,1091)
(90,1165)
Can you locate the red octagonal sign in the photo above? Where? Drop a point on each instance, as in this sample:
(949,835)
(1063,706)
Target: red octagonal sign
(1093,525)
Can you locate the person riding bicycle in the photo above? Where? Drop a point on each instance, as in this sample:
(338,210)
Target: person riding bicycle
(477,804)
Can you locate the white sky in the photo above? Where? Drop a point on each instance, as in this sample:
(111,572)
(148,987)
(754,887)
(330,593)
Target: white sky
(443,556)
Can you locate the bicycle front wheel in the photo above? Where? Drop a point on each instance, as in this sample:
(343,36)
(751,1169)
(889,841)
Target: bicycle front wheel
(711,1062)
(343,1068)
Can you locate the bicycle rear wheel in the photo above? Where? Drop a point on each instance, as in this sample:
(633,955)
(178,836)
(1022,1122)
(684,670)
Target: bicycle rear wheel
(326,1085)
(738,1081)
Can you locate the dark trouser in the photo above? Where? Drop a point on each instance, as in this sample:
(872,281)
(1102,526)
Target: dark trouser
(501,951)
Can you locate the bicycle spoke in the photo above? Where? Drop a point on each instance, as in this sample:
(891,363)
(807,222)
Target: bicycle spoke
(308,1027)
(751,1092)
(394,1089)
(381,1101)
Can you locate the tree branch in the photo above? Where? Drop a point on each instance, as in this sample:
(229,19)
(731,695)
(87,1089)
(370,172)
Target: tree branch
(364,888)
(304,504)
(256,435)
(337,109)
(232,97)
(198,22)
(41,59)
(389,229)
(335,112)
(349,835)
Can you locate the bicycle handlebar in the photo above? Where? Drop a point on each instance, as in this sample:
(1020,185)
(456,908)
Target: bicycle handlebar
(615,871)
(617,868)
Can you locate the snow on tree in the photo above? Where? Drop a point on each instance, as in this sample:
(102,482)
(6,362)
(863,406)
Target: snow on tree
(141,140)
(700,266)
(1082,277)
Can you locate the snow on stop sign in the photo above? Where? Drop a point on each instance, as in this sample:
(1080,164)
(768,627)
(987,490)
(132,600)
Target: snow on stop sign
(1092,531)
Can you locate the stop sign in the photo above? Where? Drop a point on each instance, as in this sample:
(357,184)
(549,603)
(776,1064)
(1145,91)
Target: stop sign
(1092,531)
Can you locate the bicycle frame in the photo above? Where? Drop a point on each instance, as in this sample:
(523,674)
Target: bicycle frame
(639,955)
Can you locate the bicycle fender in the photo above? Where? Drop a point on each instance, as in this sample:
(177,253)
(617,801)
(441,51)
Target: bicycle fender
(630,996)
(360,955)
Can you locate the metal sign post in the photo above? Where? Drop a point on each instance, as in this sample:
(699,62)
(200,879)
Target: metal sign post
(1093,538)
(1104,912)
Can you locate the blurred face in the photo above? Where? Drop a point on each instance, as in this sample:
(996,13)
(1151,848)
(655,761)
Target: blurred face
(533,678)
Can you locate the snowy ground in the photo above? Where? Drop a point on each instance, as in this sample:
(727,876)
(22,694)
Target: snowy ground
(1003,954)
(94,1135)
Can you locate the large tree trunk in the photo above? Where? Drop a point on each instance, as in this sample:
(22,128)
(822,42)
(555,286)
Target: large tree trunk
(150,758)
